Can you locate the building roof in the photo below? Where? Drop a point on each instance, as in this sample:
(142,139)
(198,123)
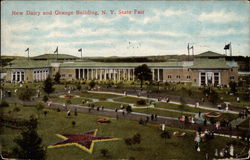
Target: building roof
(24,64)
(54,56)
(205,63)
(102,64)
(209,54)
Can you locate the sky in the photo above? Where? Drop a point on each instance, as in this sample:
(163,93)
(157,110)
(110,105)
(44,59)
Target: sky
(162,28)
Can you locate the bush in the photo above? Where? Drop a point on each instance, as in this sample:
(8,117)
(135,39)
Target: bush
(16,109)
(141,102)
(25,93)
(73,123)
(4,104)
(45,98)
(104,152)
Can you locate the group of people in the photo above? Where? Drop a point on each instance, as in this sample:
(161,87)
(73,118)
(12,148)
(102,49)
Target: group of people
(202,137)
(187,119)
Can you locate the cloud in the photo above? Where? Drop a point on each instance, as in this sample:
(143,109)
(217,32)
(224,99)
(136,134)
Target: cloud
(220,17)
(225,32)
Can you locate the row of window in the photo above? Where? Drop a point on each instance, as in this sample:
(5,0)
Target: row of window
(178,76)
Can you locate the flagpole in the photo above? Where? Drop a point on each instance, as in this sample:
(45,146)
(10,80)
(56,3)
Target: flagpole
(188,51)
(28,54)
(230,49)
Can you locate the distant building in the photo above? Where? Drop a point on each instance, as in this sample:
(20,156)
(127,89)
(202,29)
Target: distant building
(207,68)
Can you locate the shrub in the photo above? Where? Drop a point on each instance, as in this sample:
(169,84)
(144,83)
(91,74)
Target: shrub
(16,109)
(68,101)
(73,123)
(25,93)
(104,152)
(45,98)
(4,104)
(141,102)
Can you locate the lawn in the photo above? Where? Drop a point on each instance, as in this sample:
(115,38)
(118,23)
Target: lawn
(245,124)
(100,96)
(160,112)
(127,99)
(105,104)
(76,100)
(151,146)
(177,107)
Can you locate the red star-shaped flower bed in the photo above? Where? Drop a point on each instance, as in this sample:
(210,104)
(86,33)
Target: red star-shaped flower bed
(84,141)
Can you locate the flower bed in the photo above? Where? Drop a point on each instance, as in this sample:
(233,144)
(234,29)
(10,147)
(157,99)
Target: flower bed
(179,134)
(68,96)
(212,114)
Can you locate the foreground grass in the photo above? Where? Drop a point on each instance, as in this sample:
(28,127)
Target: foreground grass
(105,104)
(161,112)
(152,147)
(127,99)
(179,108)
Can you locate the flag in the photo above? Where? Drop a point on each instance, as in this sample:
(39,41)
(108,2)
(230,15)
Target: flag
(191,47)
(27,49)
(227,46)
(56,51)
(80,50)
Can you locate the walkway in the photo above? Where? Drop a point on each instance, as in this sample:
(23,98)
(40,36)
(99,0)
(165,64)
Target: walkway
(173,102)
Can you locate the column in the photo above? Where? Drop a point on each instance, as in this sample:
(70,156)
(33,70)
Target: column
(114,75)
(119,74)
(79,76)
(199,78)
(129,74)
(124,78)
(109,71)
(36,75)
(219,79)
(133,74)
(92,74)
(158,74)
(206,78)
(213,78)
(100,74)
(11,76)
(105,74)
(153,74)
(83,73)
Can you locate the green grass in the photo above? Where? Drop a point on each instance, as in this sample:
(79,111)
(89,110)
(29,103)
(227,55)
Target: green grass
(100,96)
(177,107)
(127,99)
(245,124)
(105,104)
(76,100)
(151,146)
(160,112)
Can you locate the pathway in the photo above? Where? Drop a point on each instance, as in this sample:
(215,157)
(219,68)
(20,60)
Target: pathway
(173,102)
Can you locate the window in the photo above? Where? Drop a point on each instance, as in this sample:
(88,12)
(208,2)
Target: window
(203,78)
(70,75)
(188,77)
(178,76)
(216,79)
(63,75)
(169,76)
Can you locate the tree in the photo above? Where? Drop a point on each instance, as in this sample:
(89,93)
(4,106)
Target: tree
(25,93)
(104,152)
(92,84)
(143,73)
(48,86)
(57,77)
(232,85)
(166,135)
(29,144)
